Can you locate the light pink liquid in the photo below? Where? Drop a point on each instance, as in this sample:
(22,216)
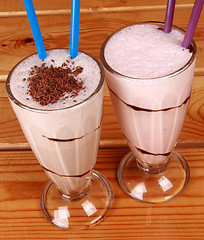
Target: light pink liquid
(150,86)
(64,136)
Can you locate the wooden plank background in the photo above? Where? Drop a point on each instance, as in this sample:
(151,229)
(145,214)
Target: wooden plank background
(21,177)
(21,216)
(98,19)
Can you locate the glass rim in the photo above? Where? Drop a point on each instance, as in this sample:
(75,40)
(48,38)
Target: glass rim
(174,73)
(34,109)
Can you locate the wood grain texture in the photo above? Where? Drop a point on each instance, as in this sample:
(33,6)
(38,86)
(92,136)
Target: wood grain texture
(46,5)
(16,41)
(11,135)
(22,179)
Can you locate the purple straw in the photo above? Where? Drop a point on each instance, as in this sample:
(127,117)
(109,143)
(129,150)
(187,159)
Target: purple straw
(169,16)
(198,5)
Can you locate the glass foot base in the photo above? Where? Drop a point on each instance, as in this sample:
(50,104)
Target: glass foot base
(153,188)
(79,214)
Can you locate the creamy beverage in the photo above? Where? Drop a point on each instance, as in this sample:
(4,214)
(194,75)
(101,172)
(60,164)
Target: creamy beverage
(149,76)
(59,105)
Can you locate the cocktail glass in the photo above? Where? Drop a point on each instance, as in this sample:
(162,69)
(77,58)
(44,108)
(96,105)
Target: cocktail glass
(65,142)
(151,113)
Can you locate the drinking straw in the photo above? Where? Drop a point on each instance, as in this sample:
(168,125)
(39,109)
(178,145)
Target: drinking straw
(35,29)
(74,28)
(169,16)
(195,15)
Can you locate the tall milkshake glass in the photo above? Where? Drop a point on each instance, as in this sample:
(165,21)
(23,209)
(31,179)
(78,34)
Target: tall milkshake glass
(64,138)
(150,105)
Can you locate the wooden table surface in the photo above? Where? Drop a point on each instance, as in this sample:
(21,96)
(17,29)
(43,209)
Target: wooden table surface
(21,177)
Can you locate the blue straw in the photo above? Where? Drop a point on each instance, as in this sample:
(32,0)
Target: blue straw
(35,29)
(74,28)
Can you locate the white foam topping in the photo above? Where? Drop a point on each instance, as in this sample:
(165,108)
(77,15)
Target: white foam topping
(144,51)
(90,76)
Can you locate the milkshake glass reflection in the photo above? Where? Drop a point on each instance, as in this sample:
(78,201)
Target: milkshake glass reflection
(59,105)
(150,76)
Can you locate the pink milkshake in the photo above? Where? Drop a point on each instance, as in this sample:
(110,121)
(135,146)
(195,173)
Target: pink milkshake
(59,105)
(64,135)
(149,76)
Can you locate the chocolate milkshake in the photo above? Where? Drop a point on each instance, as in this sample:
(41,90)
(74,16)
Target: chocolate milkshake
(150,84)
(149,75)
(58,103)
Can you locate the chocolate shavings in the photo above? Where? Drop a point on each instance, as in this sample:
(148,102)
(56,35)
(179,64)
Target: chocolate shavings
(49,84)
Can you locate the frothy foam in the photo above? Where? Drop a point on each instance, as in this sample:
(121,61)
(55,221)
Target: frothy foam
(90,76)
(150,108)
(145,51)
